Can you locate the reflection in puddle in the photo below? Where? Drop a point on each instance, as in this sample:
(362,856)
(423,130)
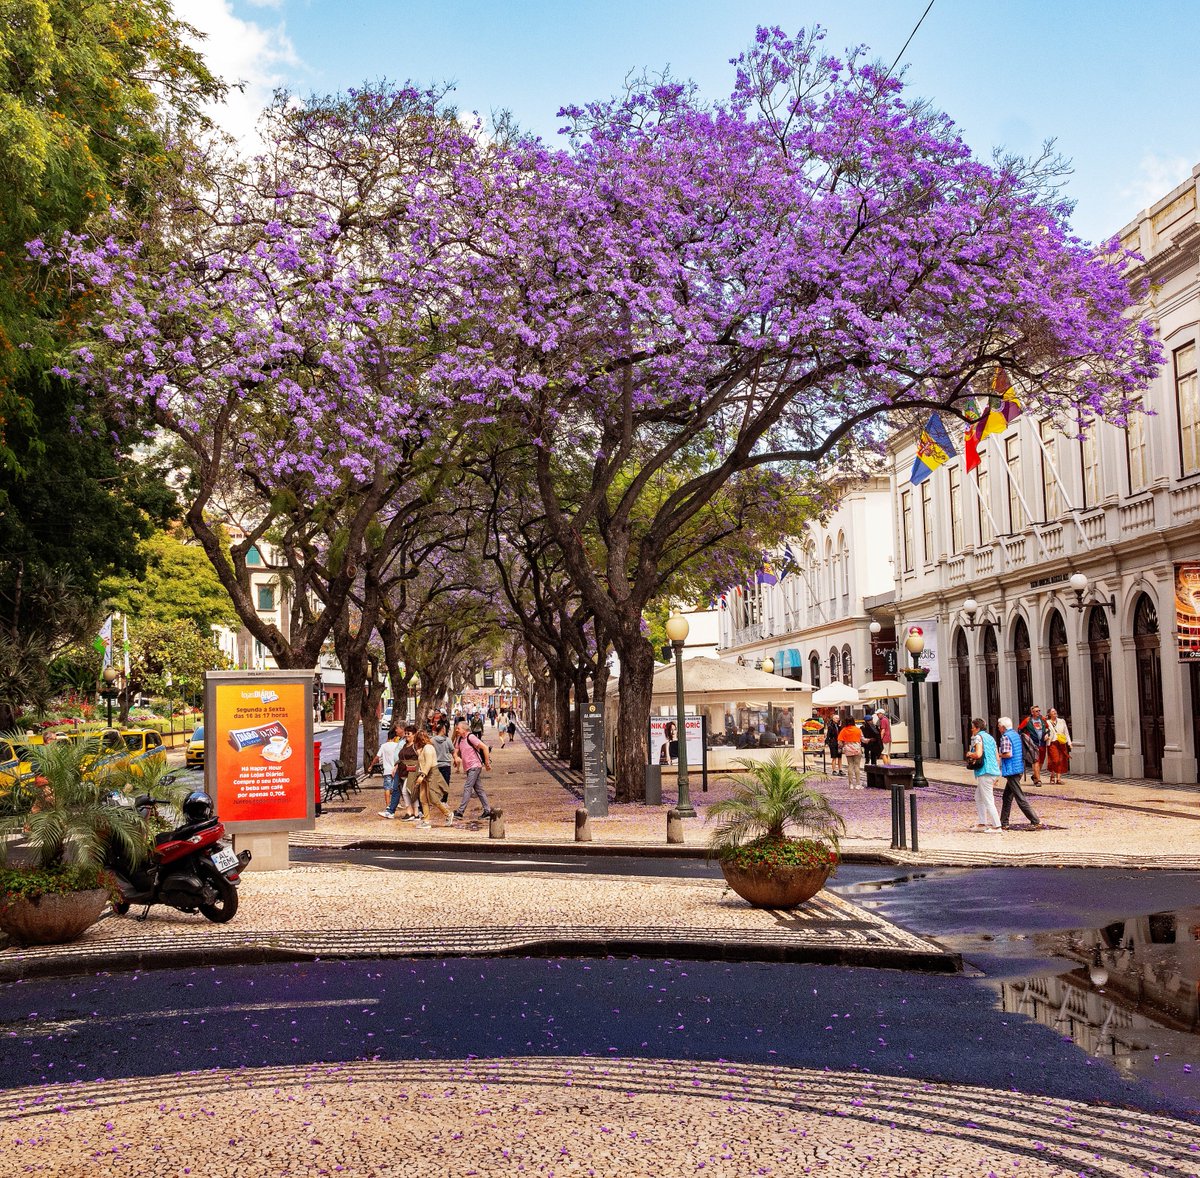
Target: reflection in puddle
(1133,999)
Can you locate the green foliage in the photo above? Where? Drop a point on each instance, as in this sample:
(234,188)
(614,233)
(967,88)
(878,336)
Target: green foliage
(31,884)
(772,798)
(62,812)
(169,658)
(768,853)
(179,585)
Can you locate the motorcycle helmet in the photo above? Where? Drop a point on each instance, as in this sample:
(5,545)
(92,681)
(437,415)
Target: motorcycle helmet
(197,806)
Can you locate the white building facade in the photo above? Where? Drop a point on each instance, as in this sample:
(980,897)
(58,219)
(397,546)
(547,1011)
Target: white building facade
(813,623)
(1121,507)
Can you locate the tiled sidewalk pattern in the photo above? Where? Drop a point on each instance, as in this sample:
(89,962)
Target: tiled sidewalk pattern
(1089,822)
(357,911)
(573,1116)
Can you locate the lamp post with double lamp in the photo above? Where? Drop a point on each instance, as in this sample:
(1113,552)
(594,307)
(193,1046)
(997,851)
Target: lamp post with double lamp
(677,632)
(915,644)
(108,692)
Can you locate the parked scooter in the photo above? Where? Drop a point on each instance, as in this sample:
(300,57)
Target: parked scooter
(190,868)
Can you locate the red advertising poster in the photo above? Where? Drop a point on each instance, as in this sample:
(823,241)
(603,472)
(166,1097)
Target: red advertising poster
(258,749)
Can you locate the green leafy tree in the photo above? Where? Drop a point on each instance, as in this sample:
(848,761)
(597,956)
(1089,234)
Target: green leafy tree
(169,659)
(179,585)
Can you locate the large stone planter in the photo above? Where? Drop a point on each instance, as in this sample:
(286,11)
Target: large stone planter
(52,919)
(775,887)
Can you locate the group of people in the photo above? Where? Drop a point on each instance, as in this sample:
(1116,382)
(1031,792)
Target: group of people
(852,744)
(417,768)
(1036,742)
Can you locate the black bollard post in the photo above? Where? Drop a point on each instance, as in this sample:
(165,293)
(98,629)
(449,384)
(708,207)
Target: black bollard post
(898,806)
(895,824)
(912,810)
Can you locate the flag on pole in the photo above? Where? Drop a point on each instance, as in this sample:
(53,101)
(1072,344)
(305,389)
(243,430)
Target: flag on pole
(125,645)
(934,449)
(1010,407)
(766,574)
(971,457)
(103,643)
(789,561)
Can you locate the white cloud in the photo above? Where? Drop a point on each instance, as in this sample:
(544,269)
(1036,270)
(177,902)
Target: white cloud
(1156,175)
(258,57)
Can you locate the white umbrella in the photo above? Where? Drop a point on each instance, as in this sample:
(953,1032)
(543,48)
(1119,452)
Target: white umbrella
(836,695)
(883,689)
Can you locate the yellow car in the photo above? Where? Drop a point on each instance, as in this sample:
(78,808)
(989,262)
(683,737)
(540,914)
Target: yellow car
(12,768)
(132,747)
(193,758)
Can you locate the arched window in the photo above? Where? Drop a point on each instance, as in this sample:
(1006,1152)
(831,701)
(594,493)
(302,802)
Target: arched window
(814,669)
(253,557)
(847,666)
(844,587)
(991,677)
(962,657)
(1148,656)
(835,666)
(1060,671)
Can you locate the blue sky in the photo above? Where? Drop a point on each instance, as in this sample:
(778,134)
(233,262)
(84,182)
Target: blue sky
(1114,82)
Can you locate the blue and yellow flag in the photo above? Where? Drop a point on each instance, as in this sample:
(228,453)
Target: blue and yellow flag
(934,449)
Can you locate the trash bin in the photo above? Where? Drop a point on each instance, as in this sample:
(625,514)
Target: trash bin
(317,777)
(886,776)
(653,785)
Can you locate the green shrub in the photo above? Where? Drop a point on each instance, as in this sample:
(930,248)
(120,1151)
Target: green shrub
(25,883)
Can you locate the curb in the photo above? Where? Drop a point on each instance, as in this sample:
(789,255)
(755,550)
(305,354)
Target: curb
(276,948)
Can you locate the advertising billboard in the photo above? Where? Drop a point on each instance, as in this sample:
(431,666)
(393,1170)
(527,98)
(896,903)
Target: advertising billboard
(664,741)
(1187,610)
(258,764)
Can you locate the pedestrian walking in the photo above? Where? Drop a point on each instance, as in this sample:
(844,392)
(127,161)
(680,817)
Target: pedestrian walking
(511,729)
(443,747)
(832,728)
(1012,768)
(872,741)
(983,758)
(850,739)
(388,758)
(1058,747)
(472,756)
(884,722)
(432,790)
(1033,732)
(406,772)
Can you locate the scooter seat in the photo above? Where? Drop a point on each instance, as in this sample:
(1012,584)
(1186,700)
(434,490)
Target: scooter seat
(185,832)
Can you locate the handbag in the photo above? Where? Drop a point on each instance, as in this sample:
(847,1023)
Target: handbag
(852,749)
(1061,738)
(974,760)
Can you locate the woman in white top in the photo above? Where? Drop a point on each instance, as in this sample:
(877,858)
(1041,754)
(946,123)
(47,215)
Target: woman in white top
(1058,747)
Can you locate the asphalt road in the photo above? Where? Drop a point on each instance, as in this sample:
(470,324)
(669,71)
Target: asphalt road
(810,1016)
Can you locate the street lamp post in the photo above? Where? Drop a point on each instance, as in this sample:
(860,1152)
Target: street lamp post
(677,632)
(915,644)
(108,693)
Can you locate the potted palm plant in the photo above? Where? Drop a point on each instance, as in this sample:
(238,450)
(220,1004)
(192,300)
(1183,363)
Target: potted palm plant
(760,860)
(56,822)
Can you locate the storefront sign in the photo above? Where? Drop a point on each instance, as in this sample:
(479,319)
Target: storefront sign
(813,736)
(258,736)
(1187,611)
(664,741)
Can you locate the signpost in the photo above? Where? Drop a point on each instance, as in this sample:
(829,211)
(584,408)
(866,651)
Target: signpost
(595,771)
(258,764)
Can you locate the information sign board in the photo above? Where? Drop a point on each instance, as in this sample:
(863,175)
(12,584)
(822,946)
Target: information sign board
(595,770)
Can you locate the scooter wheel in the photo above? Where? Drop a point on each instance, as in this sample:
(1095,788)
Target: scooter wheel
(226,904)
(119,907)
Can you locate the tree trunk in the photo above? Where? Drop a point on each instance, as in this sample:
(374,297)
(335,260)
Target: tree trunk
(355,668)
(581,702)
(372,695)
(633,715)
(563,729)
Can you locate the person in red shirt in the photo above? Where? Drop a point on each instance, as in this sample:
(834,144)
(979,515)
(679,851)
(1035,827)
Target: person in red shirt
(472,756)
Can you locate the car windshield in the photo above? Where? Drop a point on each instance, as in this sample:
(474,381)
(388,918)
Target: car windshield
(198,732)
(133,741)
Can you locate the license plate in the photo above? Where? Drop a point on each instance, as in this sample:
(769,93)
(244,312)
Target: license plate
(224,860)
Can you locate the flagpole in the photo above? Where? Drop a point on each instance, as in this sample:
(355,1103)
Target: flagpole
(1020,496)
(1037,435)
(991,518)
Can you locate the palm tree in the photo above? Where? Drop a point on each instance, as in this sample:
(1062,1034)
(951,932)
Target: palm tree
(64,811)
(773,798)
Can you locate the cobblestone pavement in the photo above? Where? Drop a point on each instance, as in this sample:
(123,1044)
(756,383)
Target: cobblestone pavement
(573,1116)
(356,911)
(1087,821)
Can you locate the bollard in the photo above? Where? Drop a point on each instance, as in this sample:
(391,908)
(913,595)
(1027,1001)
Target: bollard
(912,810)
(899,839)
(674,827)
(583,827)
(496,825)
